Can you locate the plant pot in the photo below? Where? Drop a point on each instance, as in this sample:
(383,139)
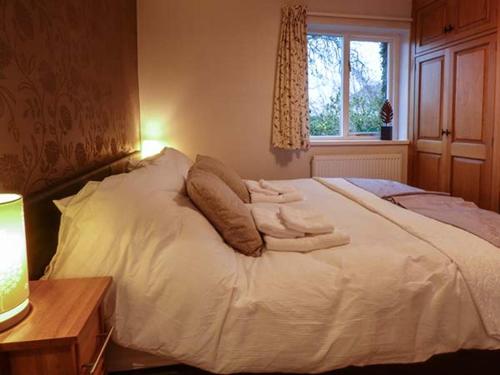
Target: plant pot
(386,133)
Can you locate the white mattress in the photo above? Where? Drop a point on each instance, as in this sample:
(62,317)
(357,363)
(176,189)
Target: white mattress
(179,291)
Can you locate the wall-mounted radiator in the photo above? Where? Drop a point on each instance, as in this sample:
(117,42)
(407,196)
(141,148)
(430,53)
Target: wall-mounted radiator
(386,166)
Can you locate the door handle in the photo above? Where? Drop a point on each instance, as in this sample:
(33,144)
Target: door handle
(448,29)
(445,132)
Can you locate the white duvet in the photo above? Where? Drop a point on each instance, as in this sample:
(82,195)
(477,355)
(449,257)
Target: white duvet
(181,292)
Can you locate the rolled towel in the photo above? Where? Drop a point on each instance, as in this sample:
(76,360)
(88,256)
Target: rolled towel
(308,243)
(268,222)
(307,221)
(282,198)
(254,187)
(277,187)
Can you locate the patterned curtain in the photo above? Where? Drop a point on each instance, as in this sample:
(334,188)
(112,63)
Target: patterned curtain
(291,103)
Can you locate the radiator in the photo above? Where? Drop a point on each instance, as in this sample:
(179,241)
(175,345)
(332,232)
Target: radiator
(386,166)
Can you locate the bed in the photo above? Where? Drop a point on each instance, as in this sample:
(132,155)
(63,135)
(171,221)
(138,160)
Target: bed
(405,288)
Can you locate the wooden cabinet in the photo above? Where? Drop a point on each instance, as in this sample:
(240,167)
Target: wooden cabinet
(64,332)
(440,22)
(454,117)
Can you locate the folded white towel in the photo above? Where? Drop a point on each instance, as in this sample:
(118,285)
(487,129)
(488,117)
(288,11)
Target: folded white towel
(282,198)
(307,221)
(254,187)
(277,187)
(308,243)
(268,222)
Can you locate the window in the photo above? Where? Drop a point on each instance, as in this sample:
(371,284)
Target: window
(349,80)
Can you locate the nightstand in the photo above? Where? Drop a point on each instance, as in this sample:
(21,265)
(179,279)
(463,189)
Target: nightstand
(63,333)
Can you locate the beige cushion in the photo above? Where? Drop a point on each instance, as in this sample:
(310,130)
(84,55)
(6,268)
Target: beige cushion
(227,213)
(226,174)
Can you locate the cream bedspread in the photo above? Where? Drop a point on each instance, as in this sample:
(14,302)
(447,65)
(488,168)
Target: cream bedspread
(180,291)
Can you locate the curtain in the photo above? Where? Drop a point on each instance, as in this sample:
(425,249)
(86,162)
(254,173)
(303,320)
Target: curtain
(291,104)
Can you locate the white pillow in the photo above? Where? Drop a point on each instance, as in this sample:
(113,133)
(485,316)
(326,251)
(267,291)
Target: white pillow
(63,203)
(80,197)
(165,171)
(134,164)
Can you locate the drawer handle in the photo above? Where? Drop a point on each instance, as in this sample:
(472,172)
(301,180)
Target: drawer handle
(93,365)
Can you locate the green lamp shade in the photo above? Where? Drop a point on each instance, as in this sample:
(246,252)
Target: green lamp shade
(14,290)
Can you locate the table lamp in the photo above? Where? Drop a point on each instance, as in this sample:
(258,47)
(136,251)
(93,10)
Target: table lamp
(14,289)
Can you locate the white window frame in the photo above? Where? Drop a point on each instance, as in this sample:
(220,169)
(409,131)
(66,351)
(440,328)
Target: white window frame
(393,62)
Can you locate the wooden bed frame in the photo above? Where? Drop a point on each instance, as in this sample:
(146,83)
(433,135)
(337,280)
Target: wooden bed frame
(42,220)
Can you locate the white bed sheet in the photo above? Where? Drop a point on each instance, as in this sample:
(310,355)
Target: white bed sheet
(181,292)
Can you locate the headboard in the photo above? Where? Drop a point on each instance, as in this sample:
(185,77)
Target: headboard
(42,217)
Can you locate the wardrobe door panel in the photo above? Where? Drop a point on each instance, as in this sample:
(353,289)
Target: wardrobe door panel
(472,119)
(467,178)
(431,21)
(428,171)
(417,4)
(430,98)
(473,16)
(469,94)
(430,118)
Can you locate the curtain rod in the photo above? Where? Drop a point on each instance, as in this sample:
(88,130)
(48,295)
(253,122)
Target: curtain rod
(360,16)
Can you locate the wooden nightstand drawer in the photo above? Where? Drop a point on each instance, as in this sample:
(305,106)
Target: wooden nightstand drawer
(92,344)
(89,340)
(63,335)
(58,360)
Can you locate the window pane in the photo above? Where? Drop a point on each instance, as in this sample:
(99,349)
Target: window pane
(325,84)
(368,85)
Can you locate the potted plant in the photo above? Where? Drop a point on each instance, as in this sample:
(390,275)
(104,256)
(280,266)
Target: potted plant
(386,115)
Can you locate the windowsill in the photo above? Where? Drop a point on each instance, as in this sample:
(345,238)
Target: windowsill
(357,142)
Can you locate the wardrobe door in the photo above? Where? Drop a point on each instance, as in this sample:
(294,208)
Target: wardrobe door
(471,17)
(430,26)
(431,96)
(472,119)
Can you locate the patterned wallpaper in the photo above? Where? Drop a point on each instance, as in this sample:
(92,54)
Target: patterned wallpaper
(68,88)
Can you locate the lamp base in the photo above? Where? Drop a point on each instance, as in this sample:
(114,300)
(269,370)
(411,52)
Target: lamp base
(9,323)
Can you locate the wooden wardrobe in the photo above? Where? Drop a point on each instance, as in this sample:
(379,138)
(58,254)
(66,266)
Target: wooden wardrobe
(456,114)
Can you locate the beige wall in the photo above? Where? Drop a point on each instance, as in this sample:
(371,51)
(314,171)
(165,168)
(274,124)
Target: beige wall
(206,74)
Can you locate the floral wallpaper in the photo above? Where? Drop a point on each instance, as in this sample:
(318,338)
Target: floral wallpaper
(68,89)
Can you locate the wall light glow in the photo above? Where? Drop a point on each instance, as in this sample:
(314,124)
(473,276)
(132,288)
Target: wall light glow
(153,137)
(151,147)
(153,129)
